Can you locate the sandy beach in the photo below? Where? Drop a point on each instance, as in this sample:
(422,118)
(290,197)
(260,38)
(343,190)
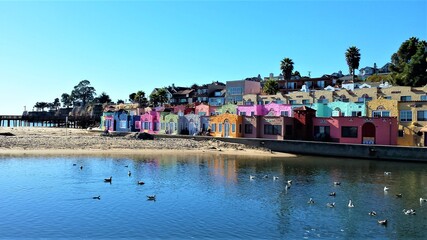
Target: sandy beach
(60,141)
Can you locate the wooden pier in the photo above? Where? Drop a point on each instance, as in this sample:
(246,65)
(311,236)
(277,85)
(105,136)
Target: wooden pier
(48,121)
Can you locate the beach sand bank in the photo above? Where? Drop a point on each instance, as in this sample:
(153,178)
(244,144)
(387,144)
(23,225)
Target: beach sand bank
(60,141)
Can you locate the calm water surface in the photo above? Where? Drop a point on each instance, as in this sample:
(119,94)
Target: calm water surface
(209,197)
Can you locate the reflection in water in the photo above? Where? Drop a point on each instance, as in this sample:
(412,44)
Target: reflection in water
(209,196)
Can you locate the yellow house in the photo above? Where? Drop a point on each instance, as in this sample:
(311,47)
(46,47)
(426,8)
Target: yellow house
(298,97)
(226,125)
(404,93)
(357,95)
(411,115)
(413,123)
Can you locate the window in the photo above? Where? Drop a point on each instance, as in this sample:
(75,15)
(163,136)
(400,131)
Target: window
(321,84)
(305,101)
(202,113)
(405,98)
(213,127)
(405,116)
(322,130)
(242,113)
(235,90)
(380,113)
(156,126)
(146,125)
(292,102)
(387,97)
(240,128)
(162,126)
(423,98)
(349,132)
(400,133)
(272,129)
(233,127)
(217,94)
(123,124)
(288,131)
(220,127)
(279,101)
(252,114)
(284,113)
(421,115)
(291,85)
(248,128)
(356,113)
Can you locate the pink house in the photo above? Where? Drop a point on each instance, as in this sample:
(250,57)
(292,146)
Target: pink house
(271,109)
(357,130)
(202,110)
(149,122)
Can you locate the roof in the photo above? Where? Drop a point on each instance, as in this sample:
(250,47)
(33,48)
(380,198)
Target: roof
(304,108)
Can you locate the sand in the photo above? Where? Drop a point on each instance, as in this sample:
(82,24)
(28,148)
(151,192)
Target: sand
(61,141)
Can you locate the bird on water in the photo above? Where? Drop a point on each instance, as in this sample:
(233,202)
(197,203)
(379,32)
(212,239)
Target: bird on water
(108,179)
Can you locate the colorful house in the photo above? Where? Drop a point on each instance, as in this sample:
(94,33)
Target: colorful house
(356,130)
(338,108)
(189,124)
(169,123)
(276,127)
(202,110)
(412,123)
(122,121)
(226,125)
(107,124)
(227,108)
(150,122)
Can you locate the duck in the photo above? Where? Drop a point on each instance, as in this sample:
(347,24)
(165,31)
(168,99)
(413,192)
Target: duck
(275,178)
(399,195)
(126,165)
(141,183)
(423,200)
(332,194)
(129,173)
(409,212)
(251,177)
(337,183)
(265,176)
(311,201)
(350,204)
(372,213)
(387,173)
(97,197)
(382,222)
(289,182)
(74,164)
(151,197)
(81,167)
(108,179)
(386,189)
(331,205)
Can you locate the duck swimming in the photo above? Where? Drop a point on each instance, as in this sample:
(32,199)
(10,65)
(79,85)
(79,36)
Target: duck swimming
(311,201)
(382,222)
(350,204)
(372,213)
(97,197)
(151,197)
(331,205)
(141,183)
(108,179)
(332,194)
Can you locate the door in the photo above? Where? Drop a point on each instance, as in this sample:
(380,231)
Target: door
(226,128)
(368,133)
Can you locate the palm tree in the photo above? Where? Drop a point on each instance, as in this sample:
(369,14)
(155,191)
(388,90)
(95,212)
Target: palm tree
(287,66)
(352,56)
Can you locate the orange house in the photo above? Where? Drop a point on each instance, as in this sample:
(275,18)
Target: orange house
(226,125)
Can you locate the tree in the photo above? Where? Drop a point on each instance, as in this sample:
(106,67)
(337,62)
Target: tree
(120,101)
(56,104)
(66,100)
(41,105)
(287,66)
(271,87)
(103,98)
(352,56)
(83,92)
(159,97)
(297,74)
(409,64)
(139,97)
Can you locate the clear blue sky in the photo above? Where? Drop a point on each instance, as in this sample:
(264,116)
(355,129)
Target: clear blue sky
(48,47)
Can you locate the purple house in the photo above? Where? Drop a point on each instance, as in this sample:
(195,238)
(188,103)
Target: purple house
(271,109)
(150,122)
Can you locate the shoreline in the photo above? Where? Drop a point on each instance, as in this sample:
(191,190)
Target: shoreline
(41,141)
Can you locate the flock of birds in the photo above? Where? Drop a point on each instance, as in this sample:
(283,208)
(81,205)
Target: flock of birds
(350,202)
(110,180)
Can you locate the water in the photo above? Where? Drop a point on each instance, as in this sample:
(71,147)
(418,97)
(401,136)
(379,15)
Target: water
(209,197)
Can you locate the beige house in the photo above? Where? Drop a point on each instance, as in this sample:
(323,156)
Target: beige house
(404,93)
